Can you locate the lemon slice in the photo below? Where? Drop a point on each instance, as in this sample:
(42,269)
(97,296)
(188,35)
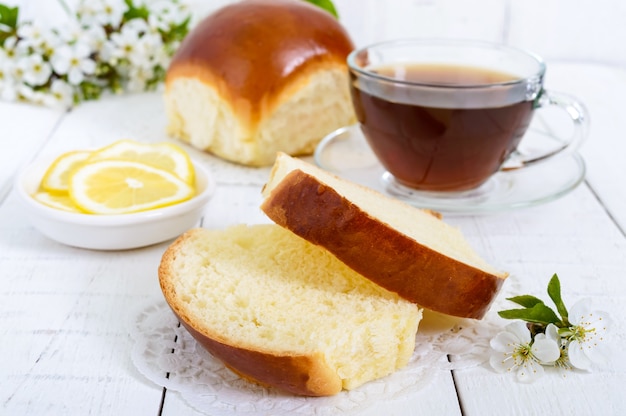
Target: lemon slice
(166,156)
(123,186)
(57,201)
(56,178)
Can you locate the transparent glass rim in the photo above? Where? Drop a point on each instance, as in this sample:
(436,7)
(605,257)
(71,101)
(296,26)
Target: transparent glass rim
(352,61)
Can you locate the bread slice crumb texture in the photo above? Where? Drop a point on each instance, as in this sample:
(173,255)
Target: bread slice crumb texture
(262,288)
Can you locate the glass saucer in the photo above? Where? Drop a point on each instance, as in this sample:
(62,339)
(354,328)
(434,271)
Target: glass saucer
(346,153)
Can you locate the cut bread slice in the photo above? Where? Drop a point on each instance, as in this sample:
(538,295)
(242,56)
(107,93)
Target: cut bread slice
(404,249)
(283,312)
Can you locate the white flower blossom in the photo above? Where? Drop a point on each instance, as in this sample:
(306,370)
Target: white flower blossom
(12,49)
(25,92)
(102,12)
(94,50)
(562,363)
(161,58)
(96,38)
(514,350)
(50,42)
(73,60)
(565,340)
(12,84)
(148,52)
(124,44)
(31,36)
(35,70)
(87,12)
(586,335)
(37,97)
(139,26)
(71,33)
(139,77)
(8,85)
(166,14)
(61,95)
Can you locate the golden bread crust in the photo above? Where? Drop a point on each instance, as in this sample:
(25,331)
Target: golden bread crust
(298,374)
(318,213)
(256,51)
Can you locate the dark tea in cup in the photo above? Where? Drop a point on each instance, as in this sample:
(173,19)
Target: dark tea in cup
(446,116)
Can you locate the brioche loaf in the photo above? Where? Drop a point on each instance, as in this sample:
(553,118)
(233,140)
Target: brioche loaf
(283,312)
(257,77)
(401,248)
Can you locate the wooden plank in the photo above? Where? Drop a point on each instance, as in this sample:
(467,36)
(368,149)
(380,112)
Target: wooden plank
(64,324)
(576,239)
(66,315)
(602,89)
(24,129)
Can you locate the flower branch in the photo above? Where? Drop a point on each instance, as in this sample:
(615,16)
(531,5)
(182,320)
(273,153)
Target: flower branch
(566,339)
(108,45)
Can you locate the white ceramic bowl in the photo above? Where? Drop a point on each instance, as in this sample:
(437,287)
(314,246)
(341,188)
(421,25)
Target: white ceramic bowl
(112,232)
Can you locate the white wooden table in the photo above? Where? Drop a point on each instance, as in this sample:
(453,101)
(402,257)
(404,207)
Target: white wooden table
(64,311)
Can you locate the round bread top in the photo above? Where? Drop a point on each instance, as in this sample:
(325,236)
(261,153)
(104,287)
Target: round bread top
(251,49)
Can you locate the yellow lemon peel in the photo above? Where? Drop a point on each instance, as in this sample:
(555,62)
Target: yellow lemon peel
(123,177)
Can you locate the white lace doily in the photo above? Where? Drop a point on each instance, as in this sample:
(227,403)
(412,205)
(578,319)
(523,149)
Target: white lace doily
(167,355)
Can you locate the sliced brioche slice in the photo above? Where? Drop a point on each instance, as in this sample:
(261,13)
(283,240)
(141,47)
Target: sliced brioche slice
(283,312)
(401,248)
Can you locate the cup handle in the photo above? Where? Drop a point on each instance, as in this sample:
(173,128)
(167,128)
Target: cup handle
(579,116)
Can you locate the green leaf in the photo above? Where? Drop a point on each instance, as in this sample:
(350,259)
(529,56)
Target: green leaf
(540,314)
(8,22)
(90,91)
(554,291)
(326,5)
(527,301)
(177,33)
(8,16)
(134,12)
